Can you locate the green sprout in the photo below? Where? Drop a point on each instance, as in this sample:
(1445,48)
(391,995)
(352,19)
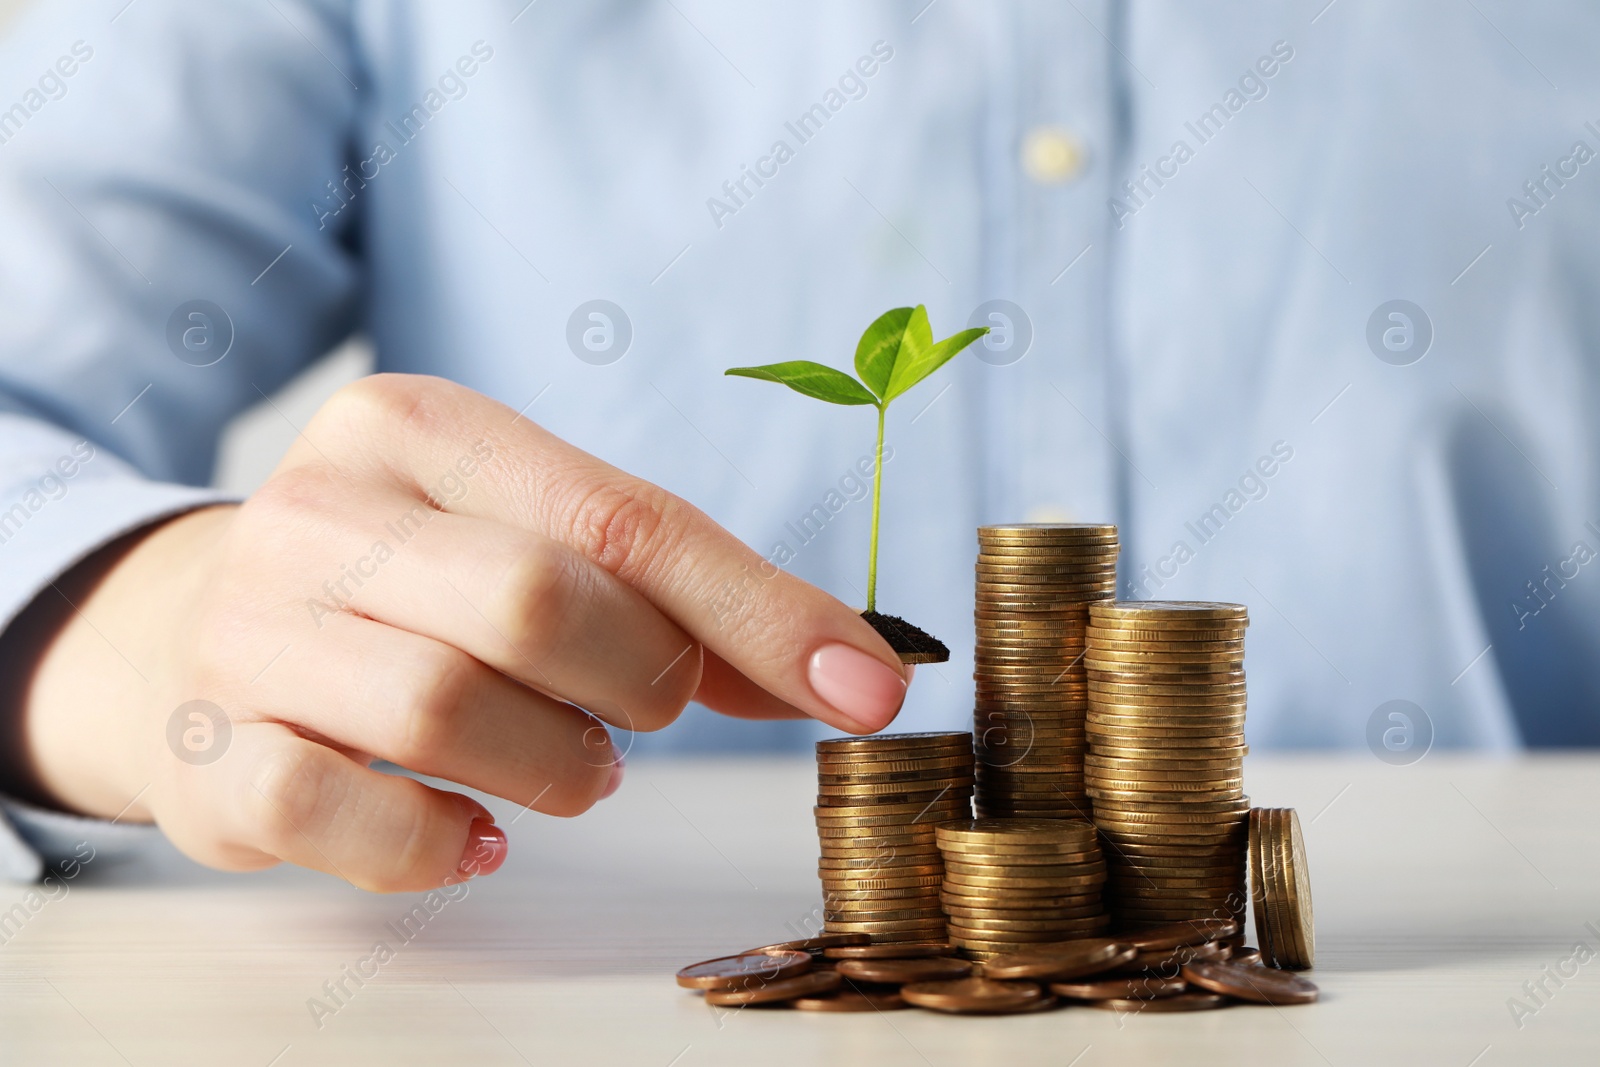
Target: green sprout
(896,352)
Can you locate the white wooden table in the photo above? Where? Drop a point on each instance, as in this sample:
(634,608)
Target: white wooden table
(1440,889)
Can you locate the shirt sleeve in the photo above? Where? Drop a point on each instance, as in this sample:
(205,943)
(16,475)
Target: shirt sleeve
(169,257)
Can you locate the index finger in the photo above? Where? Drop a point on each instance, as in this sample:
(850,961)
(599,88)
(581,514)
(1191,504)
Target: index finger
(470,455)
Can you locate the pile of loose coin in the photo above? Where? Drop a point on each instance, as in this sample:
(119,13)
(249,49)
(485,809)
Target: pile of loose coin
(1034,586)
(1165,766)
(1180,967)
(879,800)
(1012,882)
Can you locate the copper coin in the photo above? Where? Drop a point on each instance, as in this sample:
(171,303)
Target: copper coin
(1061,961)
(1120,988)
(889,951)
(901,972)
(1171,960)
(1245,954)
(1189,932)
(972,995)
(819,943)
(1181,1002)
(731,972)
(1264,985)
(851,1000)
(772,992)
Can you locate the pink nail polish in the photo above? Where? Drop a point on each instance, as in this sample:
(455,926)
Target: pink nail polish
(860,687)
(616,778)
(486,849)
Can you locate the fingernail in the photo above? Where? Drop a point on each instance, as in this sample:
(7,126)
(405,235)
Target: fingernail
(860,687)
(616,778)
(486,849)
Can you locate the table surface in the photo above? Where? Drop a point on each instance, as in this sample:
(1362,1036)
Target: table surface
(1440,889)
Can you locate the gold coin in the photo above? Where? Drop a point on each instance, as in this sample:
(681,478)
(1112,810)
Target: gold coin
(960,867)
(868,884)
(881,768)
(1052,532)
(1158,693)
(1021,853)
(1014,941)
(937,801)
(1167,612)
(1015,882)
(1016,831)
(1169,641)
(909,928)
(1041,928)
(1114,764)
(919,742)
(1179,659)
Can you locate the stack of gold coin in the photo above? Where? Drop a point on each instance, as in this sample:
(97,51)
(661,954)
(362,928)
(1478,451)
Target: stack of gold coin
(1280,888)
(879,800)
(1166,751)
(1035,582)
(1009,883)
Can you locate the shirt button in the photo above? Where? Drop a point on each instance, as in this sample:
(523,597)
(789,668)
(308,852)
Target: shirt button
(1052,156)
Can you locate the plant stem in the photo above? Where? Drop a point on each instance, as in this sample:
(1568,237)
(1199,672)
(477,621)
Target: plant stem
(877,501)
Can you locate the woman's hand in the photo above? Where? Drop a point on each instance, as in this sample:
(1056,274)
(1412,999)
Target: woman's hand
(428,579)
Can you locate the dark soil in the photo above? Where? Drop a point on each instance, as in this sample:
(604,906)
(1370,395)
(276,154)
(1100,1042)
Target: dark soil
(912,644)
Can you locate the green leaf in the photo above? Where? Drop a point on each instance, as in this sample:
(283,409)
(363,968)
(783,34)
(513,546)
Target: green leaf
(922,361)
(812,379)
(879,347)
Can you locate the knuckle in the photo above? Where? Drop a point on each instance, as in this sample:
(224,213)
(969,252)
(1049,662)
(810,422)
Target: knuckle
(431,706)
(288,797)
(295,490)
(624,527)
(379,403)
(535,594)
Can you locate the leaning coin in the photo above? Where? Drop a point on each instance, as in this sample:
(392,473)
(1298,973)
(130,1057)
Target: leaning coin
(972,995)
(1264,985)
(1181,1002)
(902,972)
(1061,961)
(732,972)
(772,992)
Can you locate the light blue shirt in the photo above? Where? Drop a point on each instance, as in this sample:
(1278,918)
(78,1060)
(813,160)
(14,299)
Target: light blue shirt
(1198,213)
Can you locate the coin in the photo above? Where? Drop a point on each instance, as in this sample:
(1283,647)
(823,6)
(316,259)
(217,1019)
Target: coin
(774,991)
(851,1000)
(972,995)
(925,744)
(1037,927)
(1250,982)
(819,943)
(1061,960)
(1143,988)
(1166,613)
(1180,1002)
(1191,932)
(893,951)
(903,971)
(959,911)
(1022,831)
(731,972)
(923,929)
(1246,955)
